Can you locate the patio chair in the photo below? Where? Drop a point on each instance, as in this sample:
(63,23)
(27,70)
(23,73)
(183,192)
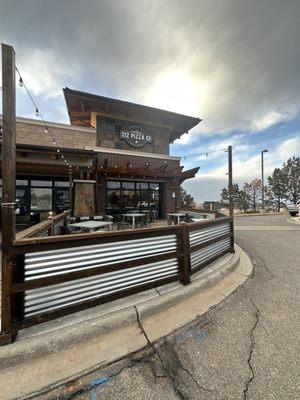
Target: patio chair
(153,214)
(64,230)
(187,218)
(81,219)
(120,222)
(144,222)
(171,220)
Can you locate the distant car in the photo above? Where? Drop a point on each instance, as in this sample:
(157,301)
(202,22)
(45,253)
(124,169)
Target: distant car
(293,209)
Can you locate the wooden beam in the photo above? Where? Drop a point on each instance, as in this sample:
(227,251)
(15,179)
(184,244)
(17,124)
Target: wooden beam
(8,184)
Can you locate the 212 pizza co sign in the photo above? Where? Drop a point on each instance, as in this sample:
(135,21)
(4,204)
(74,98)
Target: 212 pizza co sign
(135,136)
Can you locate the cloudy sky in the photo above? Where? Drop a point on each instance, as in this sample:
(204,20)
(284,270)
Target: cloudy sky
(233,63)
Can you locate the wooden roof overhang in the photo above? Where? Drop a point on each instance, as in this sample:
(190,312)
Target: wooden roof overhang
(52,165)
(188,174)
(80,106)
(165,170)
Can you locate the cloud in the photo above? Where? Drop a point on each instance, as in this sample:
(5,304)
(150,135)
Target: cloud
(289,148)
(272,118)
(208,185)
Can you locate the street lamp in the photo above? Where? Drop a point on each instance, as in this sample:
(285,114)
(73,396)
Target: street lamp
(262,180)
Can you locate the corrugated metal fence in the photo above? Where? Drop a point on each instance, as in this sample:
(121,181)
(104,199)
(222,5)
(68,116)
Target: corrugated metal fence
(58,275)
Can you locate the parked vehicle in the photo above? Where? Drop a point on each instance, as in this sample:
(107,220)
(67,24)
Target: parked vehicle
(293,209)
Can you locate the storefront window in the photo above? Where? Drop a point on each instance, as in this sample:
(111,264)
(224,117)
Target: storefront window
(113,184)
(41,199)
(61,200)
(128,185)
(22,200)
(61,183)
(142,185)
(114,198)
(41,183)
(129,198)
(21,182)
(129,195)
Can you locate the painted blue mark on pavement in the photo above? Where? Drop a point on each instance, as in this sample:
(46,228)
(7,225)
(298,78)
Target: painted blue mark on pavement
(197,335)
(95,383)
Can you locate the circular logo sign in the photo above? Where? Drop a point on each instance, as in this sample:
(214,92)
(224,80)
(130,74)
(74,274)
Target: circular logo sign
(135,136)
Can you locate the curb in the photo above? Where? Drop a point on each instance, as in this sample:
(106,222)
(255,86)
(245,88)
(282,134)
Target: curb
(102,341)
(293,221)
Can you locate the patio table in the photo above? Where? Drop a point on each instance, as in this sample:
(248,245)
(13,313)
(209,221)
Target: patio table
(91,225)
(176,215)
(197,219)
(133,216)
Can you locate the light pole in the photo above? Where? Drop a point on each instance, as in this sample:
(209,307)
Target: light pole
(262,180)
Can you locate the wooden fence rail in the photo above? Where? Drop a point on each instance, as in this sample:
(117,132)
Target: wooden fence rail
(44,228)
(57,275)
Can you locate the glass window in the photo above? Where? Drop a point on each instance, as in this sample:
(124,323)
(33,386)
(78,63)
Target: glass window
(61,183)
(21,182)
(21,200)
(114,198)
(128,185)
(41,183)
(62,200)
(154,186)
(41,199)
(113,184)
(129,198)
(142,185)
(142,199)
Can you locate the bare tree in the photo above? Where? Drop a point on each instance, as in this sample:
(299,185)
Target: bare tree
(253,192)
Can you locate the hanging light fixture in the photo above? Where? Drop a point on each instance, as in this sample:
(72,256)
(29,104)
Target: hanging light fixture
(37,113)
(21,83)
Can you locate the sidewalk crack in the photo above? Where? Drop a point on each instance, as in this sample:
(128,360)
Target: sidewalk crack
(251,349)
(141,326)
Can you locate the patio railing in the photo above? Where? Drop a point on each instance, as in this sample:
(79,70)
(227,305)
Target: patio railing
(48,227)
(57,275)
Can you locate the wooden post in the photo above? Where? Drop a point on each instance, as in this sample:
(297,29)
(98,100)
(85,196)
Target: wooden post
(230,186)
(232,250)
(70,188)
(184,251)
(8,187)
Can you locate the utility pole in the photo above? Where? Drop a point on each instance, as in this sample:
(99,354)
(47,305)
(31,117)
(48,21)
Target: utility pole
(230,186)
(262,180)
(8,187)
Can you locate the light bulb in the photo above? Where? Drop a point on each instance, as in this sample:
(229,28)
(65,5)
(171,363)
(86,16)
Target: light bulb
(37,112)
(46,129)
(21,83)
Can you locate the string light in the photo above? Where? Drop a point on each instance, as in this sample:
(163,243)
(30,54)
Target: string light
(39,114)
(202,154)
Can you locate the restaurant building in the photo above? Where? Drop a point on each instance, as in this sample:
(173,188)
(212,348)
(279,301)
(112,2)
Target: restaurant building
(121,147)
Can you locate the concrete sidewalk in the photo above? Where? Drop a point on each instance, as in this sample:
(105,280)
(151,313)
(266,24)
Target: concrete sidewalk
(49,355)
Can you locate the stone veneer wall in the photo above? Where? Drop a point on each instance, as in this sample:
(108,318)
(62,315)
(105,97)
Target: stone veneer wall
(108,136)
(73,137)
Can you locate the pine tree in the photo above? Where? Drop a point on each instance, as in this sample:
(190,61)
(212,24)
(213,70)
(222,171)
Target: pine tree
(291,171)
(277,187)
(186,200)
